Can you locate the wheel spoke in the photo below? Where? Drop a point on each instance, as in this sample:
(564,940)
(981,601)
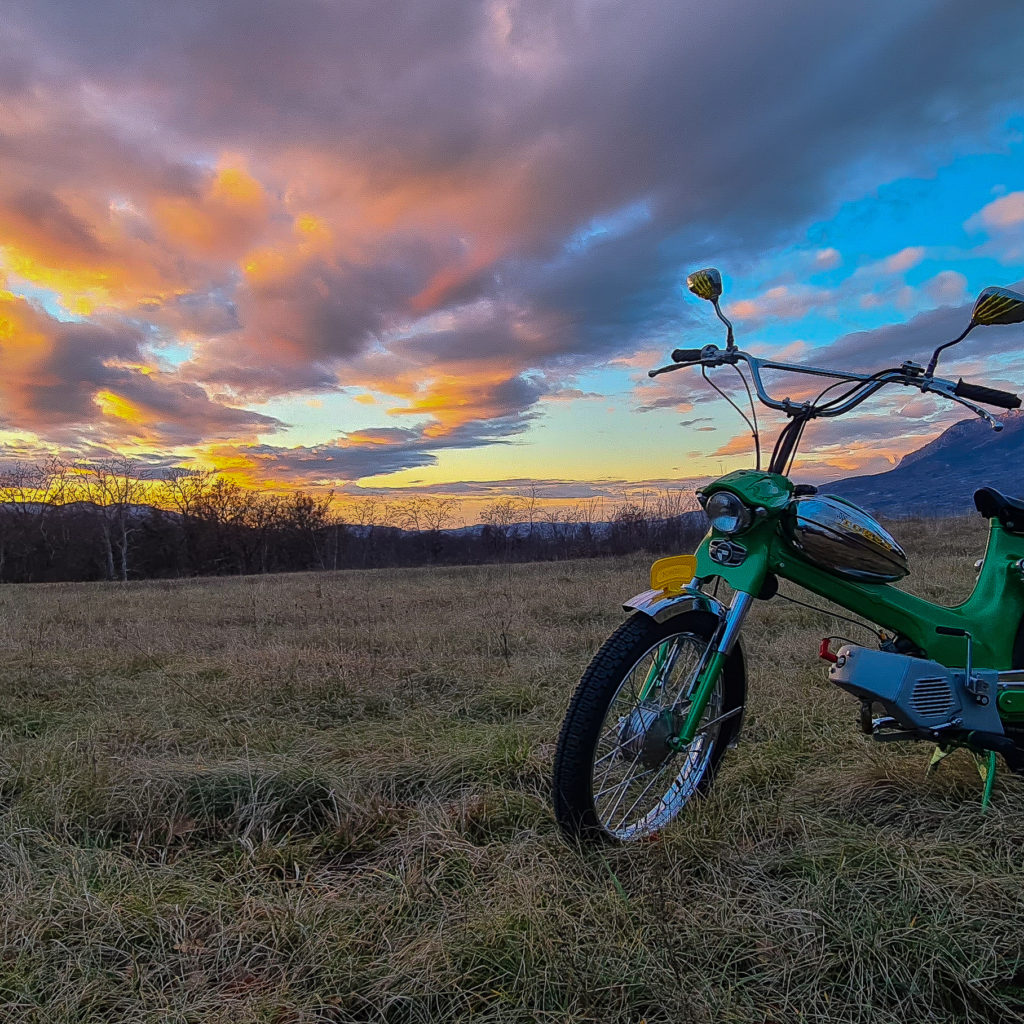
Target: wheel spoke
(632,808)
(624,789)
(718,721)
(628,782)
(625,785)
(612,729)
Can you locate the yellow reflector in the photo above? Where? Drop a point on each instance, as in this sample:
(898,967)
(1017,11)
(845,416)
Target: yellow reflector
(672,574)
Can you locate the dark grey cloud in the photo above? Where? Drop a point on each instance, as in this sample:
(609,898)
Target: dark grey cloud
(60,387)
(381,450)
(327,309)
(332,463)
(179,413)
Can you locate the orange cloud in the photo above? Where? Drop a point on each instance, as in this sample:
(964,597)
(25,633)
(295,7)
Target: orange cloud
(223,221)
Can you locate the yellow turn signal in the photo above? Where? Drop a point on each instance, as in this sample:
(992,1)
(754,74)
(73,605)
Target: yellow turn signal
(673,573)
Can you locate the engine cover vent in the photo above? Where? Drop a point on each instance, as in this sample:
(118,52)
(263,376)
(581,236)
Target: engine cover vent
(920,694)
(932,698)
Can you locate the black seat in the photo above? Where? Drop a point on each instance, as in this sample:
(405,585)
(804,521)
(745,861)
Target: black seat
(994,505)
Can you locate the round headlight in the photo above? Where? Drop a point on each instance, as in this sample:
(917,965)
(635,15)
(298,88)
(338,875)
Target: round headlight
(727,513)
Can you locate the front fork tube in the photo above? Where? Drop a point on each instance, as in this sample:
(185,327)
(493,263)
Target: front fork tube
(661,670)
(708,677)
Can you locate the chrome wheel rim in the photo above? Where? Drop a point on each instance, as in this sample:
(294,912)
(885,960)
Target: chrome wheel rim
(635,792)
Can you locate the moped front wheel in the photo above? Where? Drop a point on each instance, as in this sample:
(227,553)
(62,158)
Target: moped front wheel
(618,774)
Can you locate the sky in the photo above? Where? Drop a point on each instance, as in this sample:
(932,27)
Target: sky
(433,247)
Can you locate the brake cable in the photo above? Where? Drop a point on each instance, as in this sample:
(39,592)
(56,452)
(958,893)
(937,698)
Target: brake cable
(753,412)
(824,611)
(746,419)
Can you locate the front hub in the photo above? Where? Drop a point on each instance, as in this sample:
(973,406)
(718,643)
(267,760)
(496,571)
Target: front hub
(647,733)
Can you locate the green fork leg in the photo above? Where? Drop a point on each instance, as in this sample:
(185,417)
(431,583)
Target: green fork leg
(713,669)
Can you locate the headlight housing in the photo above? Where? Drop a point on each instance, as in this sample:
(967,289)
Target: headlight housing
(727,513)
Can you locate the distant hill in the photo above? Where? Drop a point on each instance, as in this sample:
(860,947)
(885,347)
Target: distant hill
(940,479)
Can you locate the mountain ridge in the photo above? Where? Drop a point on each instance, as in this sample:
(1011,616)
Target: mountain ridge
(940,478)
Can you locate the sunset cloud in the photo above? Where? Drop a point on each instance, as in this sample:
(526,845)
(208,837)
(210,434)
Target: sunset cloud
(93,380)
(466,217)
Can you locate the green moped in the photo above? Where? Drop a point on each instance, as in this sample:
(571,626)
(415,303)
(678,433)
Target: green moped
(663,698)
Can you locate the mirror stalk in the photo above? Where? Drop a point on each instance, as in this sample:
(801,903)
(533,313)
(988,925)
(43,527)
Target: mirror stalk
(707,284)
(730,342)
(935,355)
(994,306)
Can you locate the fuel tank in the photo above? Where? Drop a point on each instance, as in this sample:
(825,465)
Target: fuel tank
(838,536)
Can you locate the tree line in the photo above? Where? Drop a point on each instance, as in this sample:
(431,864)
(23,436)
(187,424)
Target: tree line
(107,520)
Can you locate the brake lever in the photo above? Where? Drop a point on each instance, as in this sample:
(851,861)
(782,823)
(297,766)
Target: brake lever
(710,355)
(983,413)
(669,368)
(947,392)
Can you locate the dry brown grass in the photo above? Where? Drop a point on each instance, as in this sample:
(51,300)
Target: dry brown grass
(324,798)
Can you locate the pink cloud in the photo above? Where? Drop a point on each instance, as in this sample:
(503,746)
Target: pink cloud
(999,215)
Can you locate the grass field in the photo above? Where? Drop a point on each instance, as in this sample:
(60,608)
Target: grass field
(324,798)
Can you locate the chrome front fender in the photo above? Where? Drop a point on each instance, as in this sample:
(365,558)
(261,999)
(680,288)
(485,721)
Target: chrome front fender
(661,606)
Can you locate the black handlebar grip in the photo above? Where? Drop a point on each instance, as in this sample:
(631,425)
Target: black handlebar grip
(686,355)
(990,396)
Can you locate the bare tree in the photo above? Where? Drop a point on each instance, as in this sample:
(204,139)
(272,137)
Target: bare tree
(184,490)
(425,513)
(439,514)
(499,519)
(529,509)
(308,516)
(116,488)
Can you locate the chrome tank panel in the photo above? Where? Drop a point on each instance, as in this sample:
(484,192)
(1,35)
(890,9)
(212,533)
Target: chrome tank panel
(844,539)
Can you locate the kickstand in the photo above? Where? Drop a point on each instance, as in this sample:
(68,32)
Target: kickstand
(986,764)
(987,770)
(937,755)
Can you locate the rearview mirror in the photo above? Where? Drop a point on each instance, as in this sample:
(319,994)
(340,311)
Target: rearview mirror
(994,306)
(998,306)
(707,284)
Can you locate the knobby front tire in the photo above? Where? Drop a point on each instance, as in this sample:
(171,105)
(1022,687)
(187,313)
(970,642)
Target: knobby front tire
(615,778)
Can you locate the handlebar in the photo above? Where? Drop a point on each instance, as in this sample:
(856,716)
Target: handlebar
(909,375)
